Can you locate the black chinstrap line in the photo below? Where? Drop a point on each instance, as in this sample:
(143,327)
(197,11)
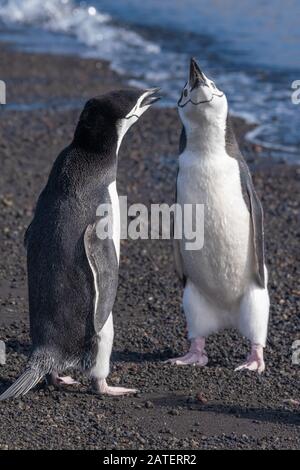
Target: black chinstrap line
(199,102)
(132,115)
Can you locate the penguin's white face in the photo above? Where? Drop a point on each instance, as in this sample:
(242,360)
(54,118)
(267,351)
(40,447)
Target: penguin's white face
(143,103)
(200,97)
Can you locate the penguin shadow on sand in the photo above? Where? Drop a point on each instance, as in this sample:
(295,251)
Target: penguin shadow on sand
(253,414)
(141,357)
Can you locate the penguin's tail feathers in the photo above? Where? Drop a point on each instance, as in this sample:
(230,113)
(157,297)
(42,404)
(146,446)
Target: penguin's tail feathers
(32,375)
(23,384)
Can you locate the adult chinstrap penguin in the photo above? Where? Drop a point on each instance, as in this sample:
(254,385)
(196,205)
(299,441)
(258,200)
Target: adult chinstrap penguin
(225,282)
(72,273)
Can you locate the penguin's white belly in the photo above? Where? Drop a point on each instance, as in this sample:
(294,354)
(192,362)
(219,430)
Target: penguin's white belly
(116,223)
(222,268)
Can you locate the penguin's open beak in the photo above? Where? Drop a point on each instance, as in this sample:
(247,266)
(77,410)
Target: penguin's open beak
(196,76)
(151,97)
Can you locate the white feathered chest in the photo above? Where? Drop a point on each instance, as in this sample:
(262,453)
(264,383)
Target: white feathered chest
(224,264)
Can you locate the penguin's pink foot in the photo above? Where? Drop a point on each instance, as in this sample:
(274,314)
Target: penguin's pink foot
(196,355)
(67,380)
(105,389)
(255,360)
(190,359)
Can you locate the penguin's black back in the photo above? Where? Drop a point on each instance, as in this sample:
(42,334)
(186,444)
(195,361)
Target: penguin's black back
(61,290)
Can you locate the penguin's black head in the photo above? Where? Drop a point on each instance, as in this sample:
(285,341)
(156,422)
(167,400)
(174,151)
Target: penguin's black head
(105,119)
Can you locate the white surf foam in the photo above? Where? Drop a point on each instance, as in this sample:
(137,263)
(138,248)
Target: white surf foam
(89,26)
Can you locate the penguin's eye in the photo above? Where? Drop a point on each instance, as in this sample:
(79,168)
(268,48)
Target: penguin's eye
(185,93)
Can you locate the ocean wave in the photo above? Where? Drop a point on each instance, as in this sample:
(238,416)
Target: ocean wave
(262,135)
(90,26)
(59,15)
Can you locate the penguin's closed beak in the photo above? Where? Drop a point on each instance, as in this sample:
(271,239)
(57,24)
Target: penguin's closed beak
(196,76)
(151,97)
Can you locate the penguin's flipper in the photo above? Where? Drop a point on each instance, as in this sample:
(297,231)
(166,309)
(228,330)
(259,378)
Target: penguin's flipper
(251,200)
(102,258)
(26,236)
(176,243)
(178,261)
(257,220)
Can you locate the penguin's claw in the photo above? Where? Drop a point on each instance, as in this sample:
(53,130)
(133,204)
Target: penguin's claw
(254,365)
(119,391)
(67,380)
(255,361)
(191,358)
(56,380)
(104,389)
(196,355)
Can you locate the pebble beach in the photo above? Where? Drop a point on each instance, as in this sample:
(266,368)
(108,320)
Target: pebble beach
(176,407)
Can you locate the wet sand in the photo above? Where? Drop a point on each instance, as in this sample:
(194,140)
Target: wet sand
(177,408)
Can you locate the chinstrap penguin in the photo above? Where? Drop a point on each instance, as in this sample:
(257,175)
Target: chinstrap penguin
(73,274)
(225,282)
